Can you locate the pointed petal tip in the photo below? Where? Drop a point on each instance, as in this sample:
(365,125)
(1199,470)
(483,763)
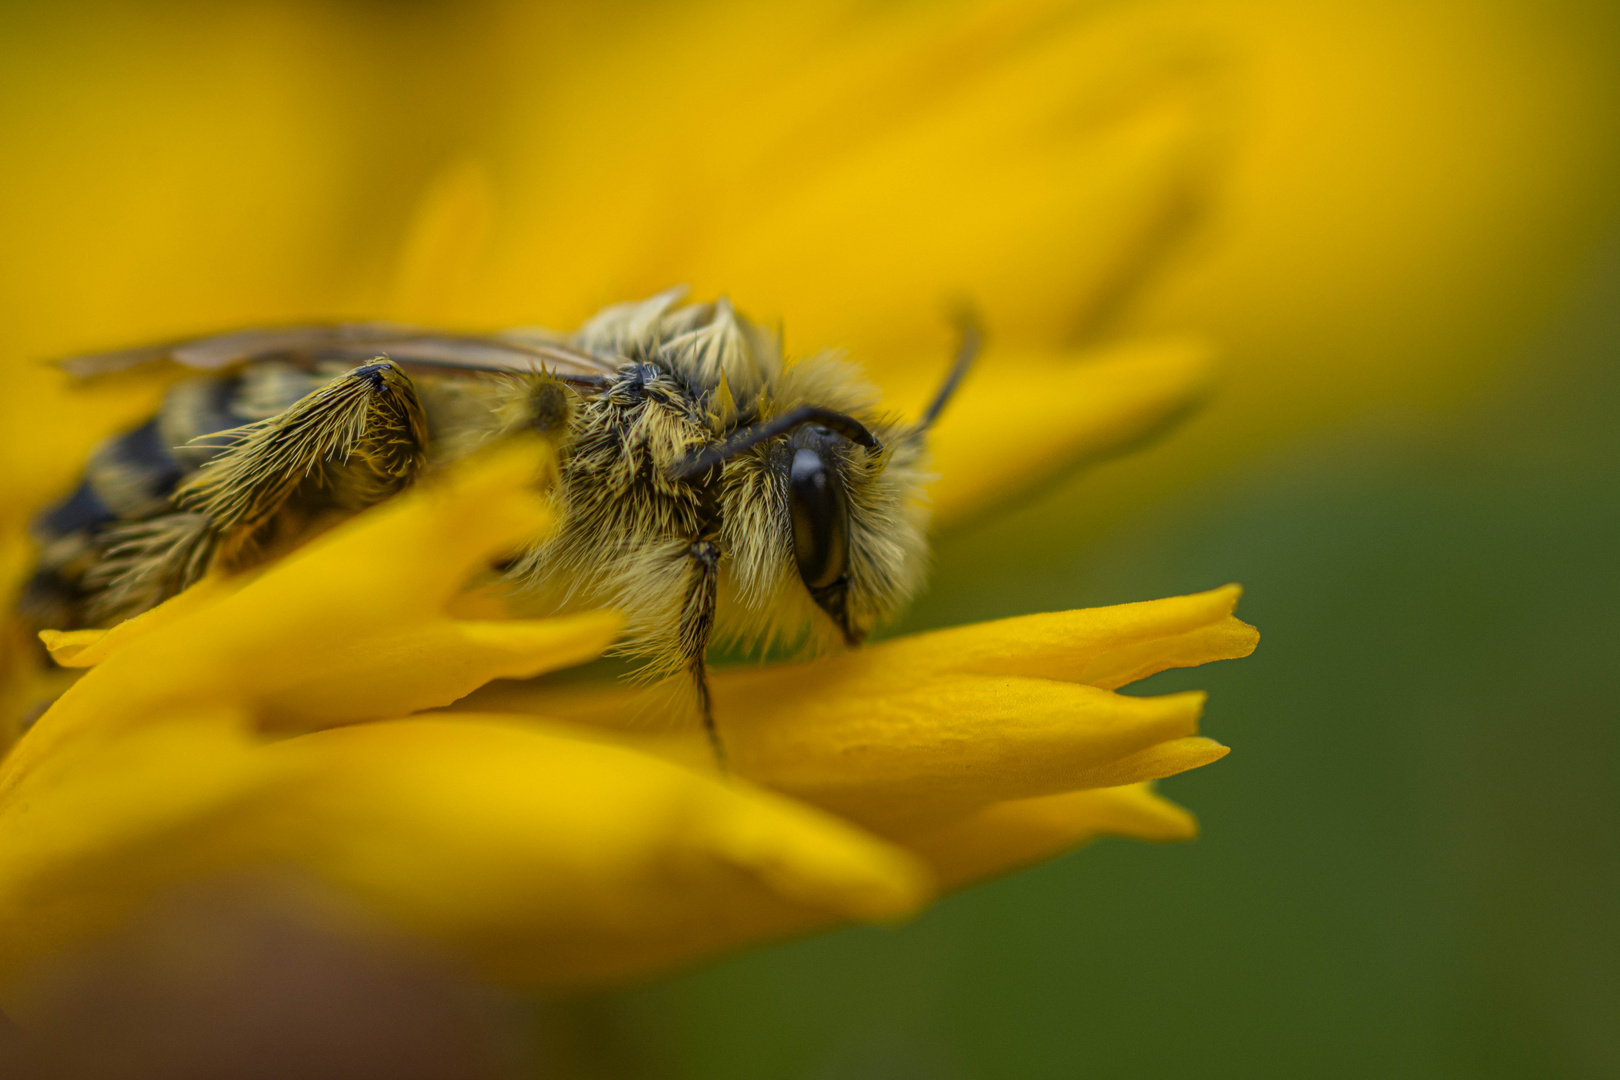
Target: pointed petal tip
(72,648)
(1185,706)
(1177,825)
(1146,815)
(1167,758)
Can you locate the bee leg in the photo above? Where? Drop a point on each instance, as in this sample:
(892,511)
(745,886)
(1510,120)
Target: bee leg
(697,624)
(143,563)
(353,442)
(356,440)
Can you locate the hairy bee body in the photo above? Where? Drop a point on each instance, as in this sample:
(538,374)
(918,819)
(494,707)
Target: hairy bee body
(130,479)
(704,485)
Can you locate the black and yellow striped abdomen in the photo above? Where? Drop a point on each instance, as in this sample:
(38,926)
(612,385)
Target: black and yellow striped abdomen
(132,476)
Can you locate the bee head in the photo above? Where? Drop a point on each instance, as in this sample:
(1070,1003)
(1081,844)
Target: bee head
(822,462)
(830,493)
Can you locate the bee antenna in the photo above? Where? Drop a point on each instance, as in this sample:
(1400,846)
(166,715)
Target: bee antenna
(702,461)
(970,337)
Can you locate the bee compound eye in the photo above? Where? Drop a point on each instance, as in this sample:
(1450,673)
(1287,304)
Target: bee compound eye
(820,520)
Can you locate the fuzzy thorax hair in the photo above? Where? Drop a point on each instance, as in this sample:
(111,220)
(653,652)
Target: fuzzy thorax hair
(692,375)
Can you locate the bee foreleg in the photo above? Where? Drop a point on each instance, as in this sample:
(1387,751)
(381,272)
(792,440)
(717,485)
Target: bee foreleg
(697,624)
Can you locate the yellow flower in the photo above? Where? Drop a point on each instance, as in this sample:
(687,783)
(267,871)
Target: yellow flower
(850,168)
(1096,179)
(276,720)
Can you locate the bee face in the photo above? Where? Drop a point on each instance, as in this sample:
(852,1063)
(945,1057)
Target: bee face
(824,537)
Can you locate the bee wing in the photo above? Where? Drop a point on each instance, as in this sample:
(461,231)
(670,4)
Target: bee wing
(411,347)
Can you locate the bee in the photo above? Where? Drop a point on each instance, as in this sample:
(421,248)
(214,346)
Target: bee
(706,487)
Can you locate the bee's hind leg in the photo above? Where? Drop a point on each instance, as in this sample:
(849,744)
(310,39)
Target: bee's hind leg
(355,441)
(697,624)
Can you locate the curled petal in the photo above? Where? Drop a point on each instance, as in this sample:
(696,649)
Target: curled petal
(1159,760)
(1106,647)
(1069,409)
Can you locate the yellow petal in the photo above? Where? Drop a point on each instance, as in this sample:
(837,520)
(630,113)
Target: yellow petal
(444,243)
(880,164)
(94,827)
(555,859)
(923,729)
(1020,420)
(1105,647)
(86,648)
(380,673)
(1008,835)
(904,757)
(541,857)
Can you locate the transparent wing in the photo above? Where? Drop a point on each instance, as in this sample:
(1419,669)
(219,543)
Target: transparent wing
(411,347)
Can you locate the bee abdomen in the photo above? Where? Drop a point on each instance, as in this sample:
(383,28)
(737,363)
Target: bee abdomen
(132,475)
(80,512)
(128,476)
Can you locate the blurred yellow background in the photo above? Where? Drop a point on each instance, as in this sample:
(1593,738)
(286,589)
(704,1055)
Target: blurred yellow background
(1361,203)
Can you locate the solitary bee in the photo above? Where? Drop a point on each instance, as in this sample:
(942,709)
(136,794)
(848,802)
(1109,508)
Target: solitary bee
(704,484)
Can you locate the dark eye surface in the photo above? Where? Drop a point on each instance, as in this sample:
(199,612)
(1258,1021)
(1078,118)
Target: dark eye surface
(820,520)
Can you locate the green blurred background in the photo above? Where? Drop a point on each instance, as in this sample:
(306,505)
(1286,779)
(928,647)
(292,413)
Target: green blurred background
(1410,864)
